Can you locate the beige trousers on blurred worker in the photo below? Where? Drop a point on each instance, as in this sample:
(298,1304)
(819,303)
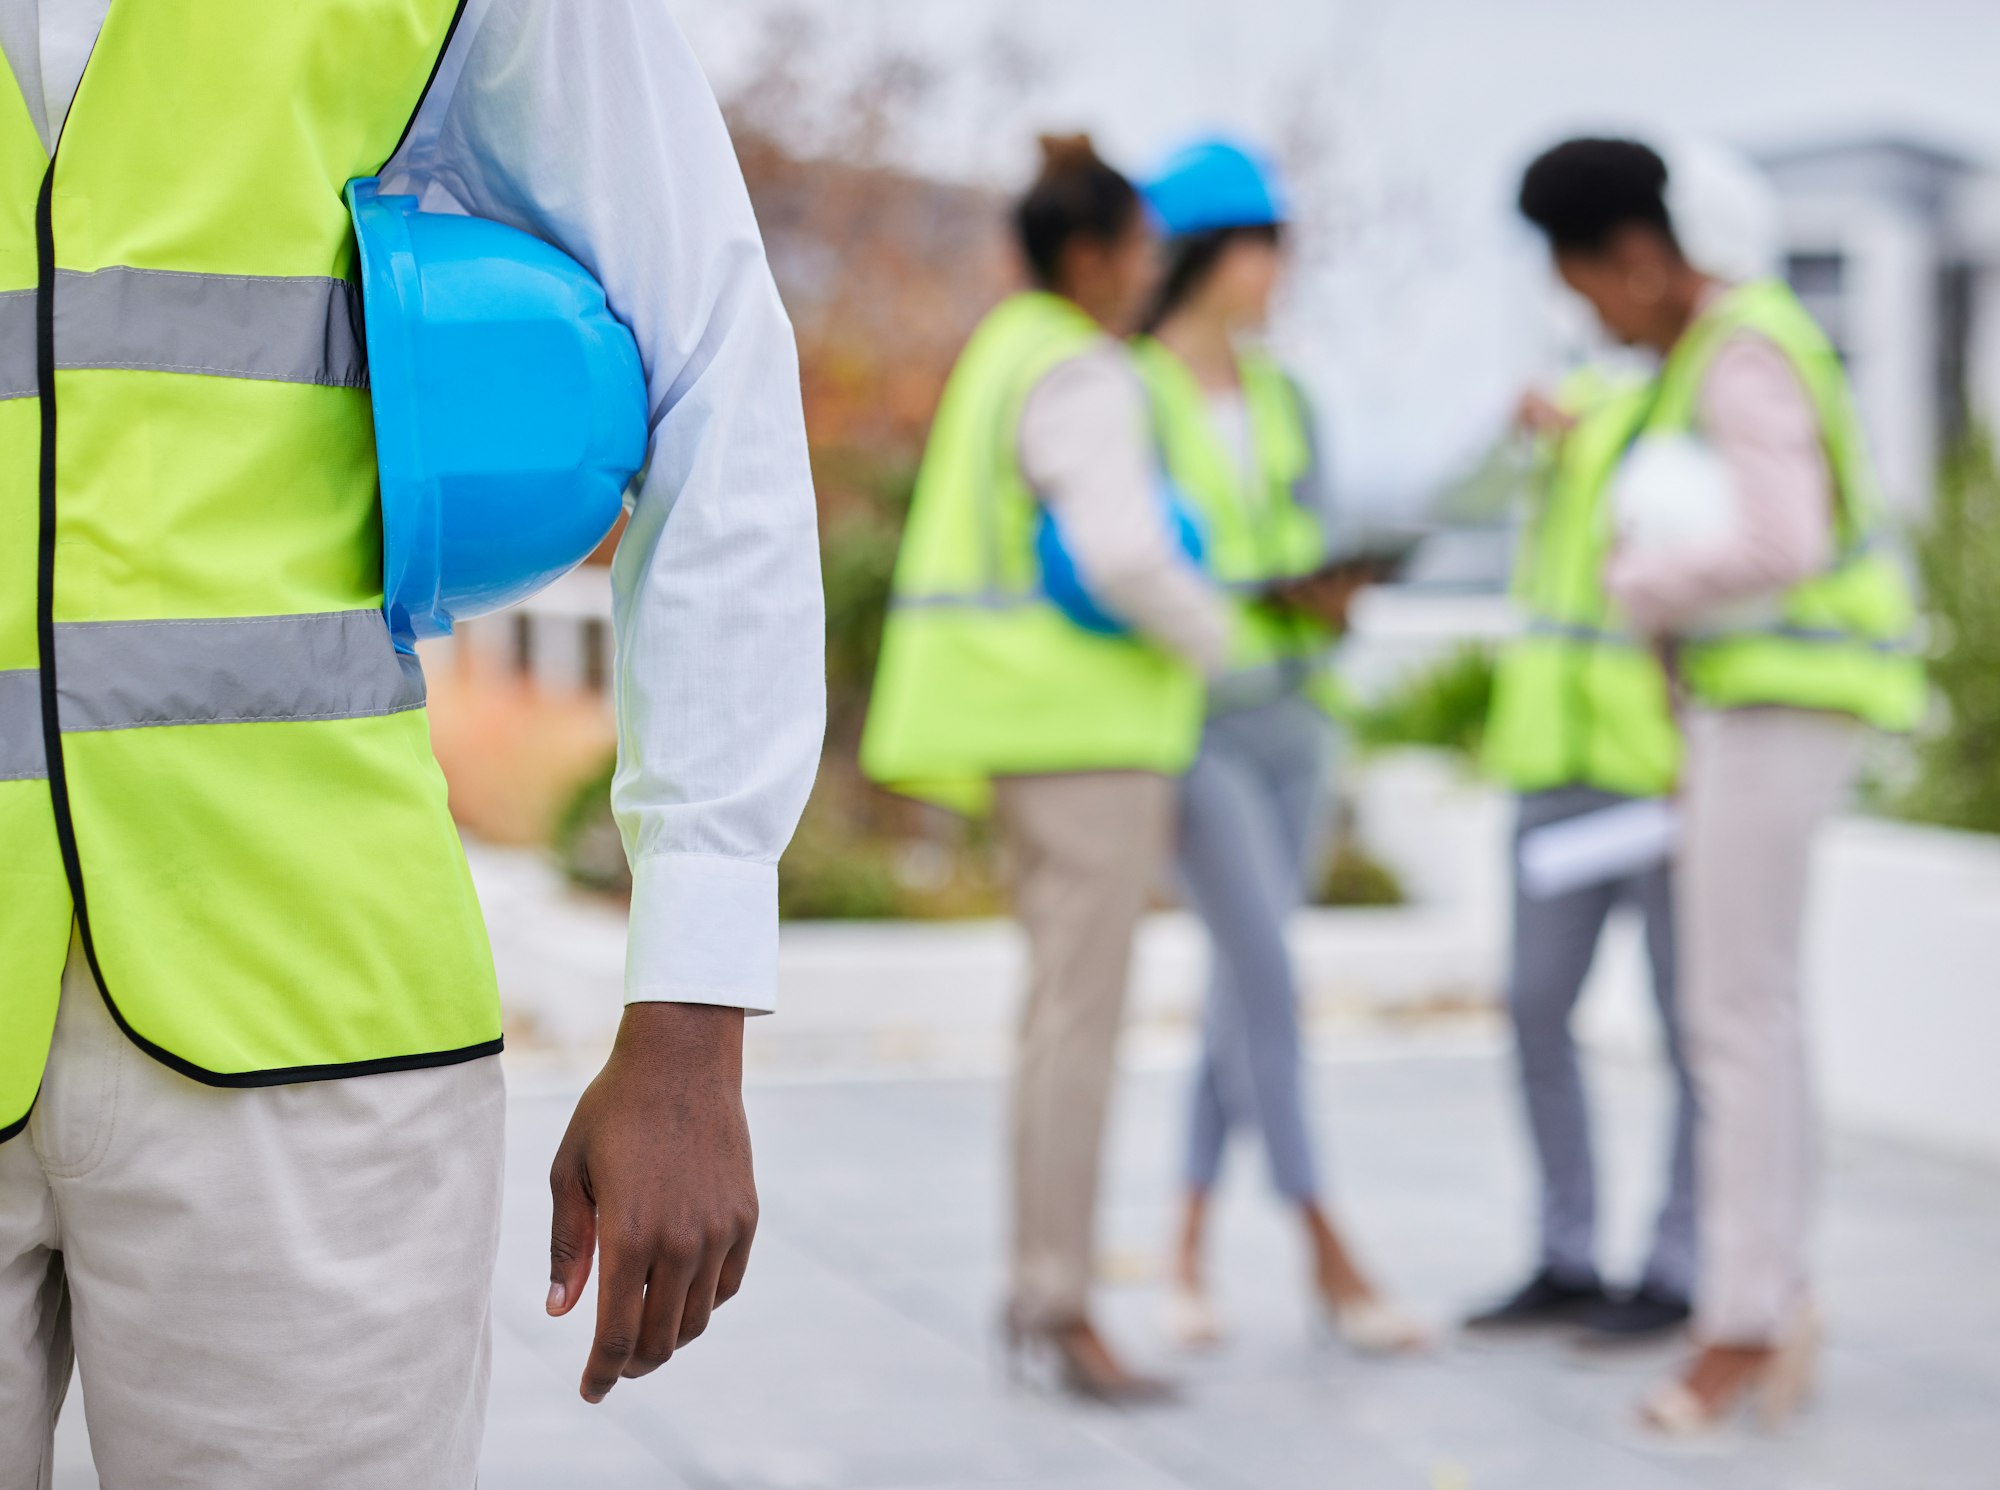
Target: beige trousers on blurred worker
(1761,785)
(280,1289)
(1084,851)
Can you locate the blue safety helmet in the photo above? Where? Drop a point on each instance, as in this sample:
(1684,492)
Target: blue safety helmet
(510,410)
(1064,584)
(1216,184)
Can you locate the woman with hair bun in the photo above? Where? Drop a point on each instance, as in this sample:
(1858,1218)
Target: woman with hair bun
(990,698)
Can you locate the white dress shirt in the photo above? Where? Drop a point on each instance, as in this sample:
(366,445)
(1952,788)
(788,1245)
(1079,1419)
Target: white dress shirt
(589,123)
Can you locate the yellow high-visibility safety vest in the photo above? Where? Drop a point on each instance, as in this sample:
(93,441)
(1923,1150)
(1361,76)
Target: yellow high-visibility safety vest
(980,675)
(212,758)
(1259,528)
(1845,641)
(1579,699)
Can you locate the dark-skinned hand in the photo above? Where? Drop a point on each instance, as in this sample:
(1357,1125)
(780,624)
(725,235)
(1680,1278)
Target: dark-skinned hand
(654,1177)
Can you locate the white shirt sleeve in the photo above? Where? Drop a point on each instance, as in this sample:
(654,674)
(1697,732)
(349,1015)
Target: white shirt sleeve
(589,123)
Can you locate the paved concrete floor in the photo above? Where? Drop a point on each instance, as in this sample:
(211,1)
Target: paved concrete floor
(859,1357)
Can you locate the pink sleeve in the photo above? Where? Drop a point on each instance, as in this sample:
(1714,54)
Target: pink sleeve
(1757,417)
(1086,447)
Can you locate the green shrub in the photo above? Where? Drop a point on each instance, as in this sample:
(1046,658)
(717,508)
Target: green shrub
(833,873)
(858,546)
(587,841)
(1354,878)
(838,868)
(1443,708)
(1957,766)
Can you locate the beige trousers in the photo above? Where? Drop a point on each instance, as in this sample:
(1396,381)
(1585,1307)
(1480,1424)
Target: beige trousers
(1761,784)
(1084,851)
(282,1289)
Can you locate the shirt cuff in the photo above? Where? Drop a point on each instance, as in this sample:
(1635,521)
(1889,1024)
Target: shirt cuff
(704,931)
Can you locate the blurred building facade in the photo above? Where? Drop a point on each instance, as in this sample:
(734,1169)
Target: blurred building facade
(1895,245)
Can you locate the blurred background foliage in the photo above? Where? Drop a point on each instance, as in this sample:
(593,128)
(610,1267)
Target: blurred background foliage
(1956,778)
(1443,707)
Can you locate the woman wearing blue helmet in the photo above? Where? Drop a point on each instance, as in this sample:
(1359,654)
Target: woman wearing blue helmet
(1238,442)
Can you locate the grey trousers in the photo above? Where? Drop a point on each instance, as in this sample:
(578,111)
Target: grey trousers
(1251,810)
(1083,850)
(1555,943)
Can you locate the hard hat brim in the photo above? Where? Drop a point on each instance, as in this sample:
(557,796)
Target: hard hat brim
(392,298)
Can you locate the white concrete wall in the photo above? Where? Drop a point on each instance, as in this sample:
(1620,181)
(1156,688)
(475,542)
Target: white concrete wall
(1906,982)
(1903,982)
(1904,968)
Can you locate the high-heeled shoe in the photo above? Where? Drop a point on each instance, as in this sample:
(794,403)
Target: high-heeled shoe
(1192,1320)
(1375,1327)
(1773,1396)
(1072,1359)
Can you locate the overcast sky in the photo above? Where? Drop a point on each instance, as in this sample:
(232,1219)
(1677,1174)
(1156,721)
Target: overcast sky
(1424,321)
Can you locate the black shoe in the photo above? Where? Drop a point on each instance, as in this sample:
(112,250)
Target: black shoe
(1647,1314)
(1545,1302)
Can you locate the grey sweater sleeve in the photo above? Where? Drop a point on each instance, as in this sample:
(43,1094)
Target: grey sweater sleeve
(1086,449)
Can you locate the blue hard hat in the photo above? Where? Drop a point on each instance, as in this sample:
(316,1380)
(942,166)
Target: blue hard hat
(1064,584)
(510,410)
(1216,184)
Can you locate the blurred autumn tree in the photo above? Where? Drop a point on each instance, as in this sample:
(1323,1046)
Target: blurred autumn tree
(885,273)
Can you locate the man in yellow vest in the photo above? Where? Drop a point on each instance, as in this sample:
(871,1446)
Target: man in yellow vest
(250,1107)
(989,697)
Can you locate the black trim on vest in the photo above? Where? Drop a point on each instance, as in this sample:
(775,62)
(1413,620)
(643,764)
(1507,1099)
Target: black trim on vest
(15,1130)
(298,1075)
(450,34)
(52,736)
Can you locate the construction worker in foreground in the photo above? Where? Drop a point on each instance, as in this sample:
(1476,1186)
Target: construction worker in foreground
(249,1086)
(1070,725)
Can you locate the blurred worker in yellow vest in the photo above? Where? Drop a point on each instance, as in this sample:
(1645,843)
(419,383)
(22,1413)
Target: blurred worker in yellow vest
(1748,547)
(1069,723)
(1582,729)
(1241,445)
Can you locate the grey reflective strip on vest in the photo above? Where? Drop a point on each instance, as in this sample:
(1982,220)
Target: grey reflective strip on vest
(988,601)
(1589,635)
(273,330)
(21,727)
(1814,636)
(1817,636)
(120,675)
(17,344)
